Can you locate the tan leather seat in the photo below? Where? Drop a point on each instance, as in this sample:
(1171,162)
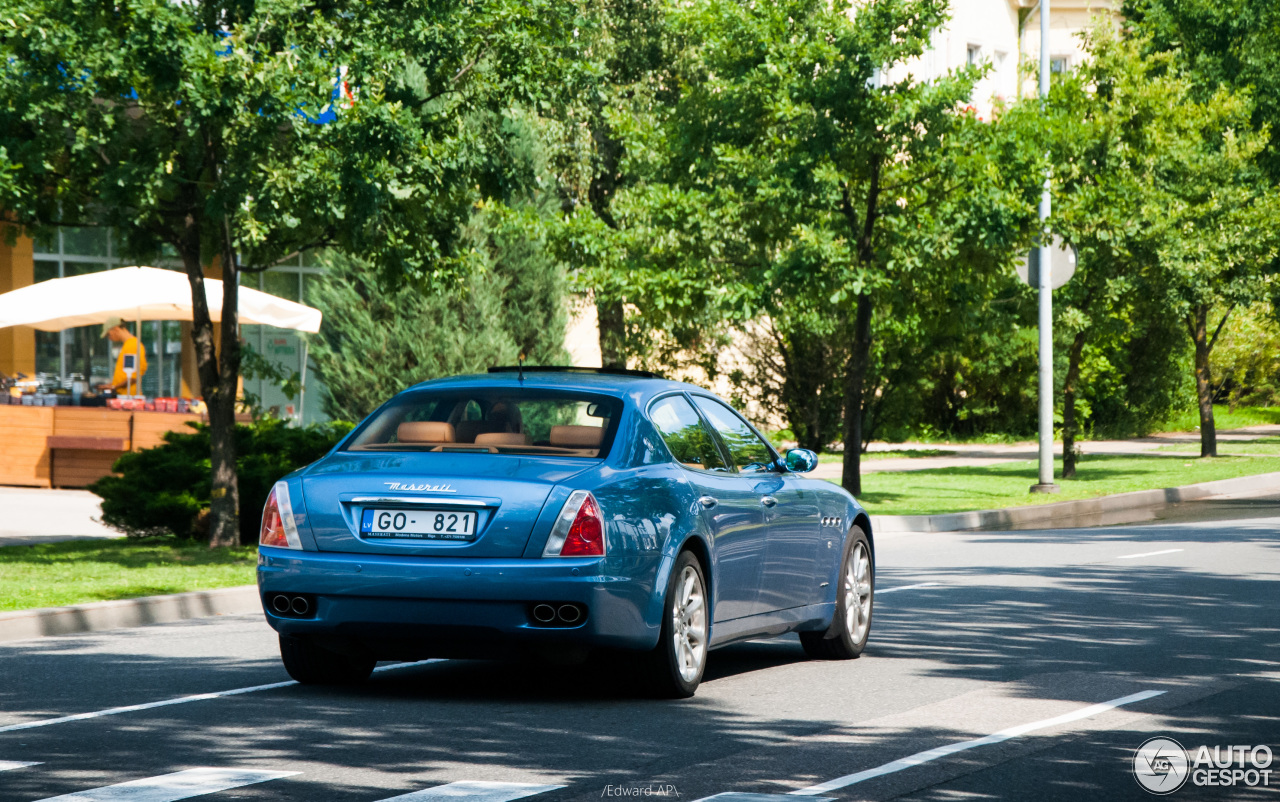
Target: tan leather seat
(502,439)
(577,436)
(425,432)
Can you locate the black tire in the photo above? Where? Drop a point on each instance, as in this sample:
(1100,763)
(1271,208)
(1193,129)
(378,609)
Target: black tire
(838,642)
(311,664)
(664,670)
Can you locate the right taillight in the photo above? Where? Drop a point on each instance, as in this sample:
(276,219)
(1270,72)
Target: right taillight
(278,528)
(579,529)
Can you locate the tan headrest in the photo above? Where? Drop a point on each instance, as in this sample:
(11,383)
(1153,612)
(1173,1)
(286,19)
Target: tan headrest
(577,436)
(502,439)
(425,431)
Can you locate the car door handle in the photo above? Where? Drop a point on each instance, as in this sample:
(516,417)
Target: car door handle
(768,501)
(707,502)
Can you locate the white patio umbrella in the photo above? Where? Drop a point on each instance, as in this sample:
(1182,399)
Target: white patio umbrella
(140,293)
(143,293)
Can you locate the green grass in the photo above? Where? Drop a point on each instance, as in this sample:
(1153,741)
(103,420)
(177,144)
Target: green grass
(1223,418)
(907,453)
(1266,446)
(944,490)
(78,571)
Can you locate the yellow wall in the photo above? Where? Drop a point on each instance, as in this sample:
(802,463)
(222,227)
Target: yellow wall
(17,269)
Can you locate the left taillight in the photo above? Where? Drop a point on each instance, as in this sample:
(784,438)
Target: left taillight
(278,528)
(579,530)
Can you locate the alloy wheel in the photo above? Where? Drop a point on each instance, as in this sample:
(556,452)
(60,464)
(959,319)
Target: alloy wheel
(689,624)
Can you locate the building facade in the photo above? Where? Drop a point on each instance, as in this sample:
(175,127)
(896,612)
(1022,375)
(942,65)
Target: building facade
(82,353)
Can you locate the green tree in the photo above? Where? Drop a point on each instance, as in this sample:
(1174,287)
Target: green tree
(623,45)
(509,303)
(390,340)
(1231,43)
(834,193)
(1110,121)
(1228,54)
(193,125)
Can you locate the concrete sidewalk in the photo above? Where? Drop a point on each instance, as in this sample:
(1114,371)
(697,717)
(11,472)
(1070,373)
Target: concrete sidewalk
(980,454)
(36,515)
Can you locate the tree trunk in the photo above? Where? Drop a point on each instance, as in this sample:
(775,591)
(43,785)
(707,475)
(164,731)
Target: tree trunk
(612,323)
(219,394)
(859,361)
(1069,406)
(855,378)
(1198,328)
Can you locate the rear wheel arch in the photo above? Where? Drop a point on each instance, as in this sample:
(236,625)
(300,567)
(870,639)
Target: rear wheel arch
(694,544)
(863,521)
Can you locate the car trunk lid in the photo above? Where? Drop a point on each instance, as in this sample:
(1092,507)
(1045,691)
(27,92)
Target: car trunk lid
(505,492)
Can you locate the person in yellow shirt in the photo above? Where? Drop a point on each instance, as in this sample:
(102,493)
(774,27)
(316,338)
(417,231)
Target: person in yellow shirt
(115,331)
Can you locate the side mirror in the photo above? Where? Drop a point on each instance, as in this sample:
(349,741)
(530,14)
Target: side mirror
(800,460)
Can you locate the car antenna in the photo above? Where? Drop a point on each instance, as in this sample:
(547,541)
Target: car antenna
(520,359)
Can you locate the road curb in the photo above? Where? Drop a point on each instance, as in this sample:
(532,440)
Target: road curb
(96,616)
(1103,510)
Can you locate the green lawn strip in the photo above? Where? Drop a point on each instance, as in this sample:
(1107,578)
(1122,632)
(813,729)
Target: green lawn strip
(906,453)
(1223,418)
(79,571)
(1265,446)
(960,489)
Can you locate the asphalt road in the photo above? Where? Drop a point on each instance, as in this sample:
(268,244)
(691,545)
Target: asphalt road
(1021,665)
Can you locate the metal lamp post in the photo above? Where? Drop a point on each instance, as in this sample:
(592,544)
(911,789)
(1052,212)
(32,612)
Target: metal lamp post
(1046,483)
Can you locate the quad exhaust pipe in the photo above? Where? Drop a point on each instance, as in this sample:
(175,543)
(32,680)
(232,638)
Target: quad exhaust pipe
(291,605)
(555,614)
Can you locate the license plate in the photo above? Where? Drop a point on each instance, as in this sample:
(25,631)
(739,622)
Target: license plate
(418,524)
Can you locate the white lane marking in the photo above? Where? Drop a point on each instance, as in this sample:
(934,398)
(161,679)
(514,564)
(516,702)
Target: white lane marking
(7,765)
(950,749)
(882,591)
(1148,554)
(474,792)
(170,787)
(181,700)
(732,796)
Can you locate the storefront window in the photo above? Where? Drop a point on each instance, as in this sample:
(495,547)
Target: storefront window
(282,346)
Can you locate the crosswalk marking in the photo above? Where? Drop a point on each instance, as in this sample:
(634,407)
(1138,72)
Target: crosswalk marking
(474,792)
(6,765)
(961,746)
(732,796)
(171,787)
(181,700)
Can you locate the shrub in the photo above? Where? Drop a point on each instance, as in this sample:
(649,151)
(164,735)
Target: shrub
(165,490)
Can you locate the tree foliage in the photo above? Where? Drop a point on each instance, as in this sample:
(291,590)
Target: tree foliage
(799,171)
(194,125)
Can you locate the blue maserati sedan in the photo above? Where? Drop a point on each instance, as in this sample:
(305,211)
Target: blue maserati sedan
(559,510)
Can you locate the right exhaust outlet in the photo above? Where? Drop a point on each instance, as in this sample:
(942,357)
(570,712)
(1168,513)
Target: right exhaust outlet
(569,614)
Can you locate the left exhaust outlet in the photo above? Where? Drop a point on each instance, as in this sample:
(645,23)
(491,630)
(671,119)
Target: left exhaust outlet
(292,605)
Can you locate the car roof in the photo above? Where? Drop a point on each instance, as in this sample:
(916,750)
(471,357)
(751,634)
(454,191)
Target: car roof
(636,388)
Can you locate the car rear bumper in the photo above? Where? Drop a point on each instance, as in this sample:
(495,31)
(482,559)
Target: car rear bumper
(402,607)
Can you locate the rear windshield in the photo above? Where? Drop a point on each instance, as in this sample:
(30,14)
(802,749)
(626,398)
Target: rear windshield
(499,421)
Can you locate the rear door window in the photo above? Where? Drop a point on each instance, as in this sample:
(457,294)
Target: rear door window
(748,452)
(689,440)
